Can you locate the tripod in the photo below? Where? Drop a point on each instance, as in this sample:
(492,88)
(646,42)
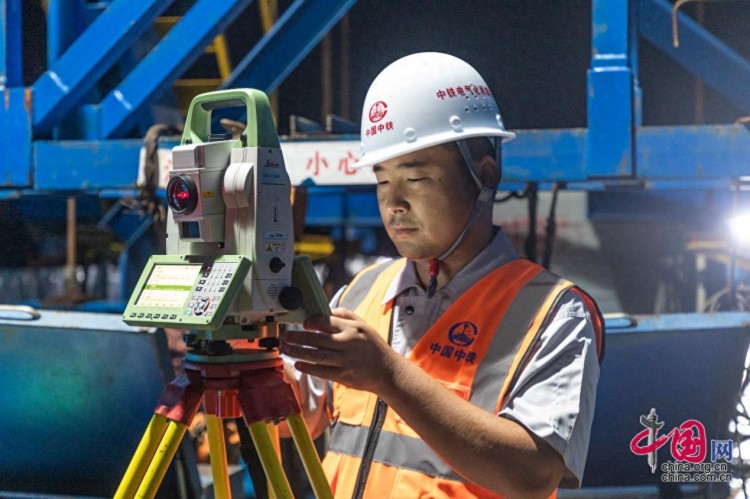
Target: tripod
(241,383)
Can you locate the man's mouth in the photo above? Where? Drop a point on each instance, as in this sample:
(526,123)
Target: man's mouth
(402,231)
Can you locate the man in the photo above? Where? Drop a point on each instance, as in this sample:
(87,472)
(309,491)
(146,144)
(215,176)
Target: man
(459,370)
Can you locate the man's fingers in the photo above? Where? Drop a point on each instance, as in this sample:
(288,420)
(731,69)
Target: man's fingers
(345,313)
(309,338)
(315,355)
(327,323)
(319,323)
(325,372)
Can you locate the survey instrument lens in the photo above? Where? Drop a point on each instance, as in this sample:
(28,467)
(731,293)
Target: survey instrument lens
(182,194)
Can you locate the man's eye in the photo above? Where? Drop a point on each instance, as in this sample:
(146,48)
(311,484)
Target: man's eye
(417,179)
(382,182)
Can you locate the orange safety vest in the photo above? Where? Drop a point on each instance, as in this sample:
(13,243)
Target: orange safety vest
(477,355)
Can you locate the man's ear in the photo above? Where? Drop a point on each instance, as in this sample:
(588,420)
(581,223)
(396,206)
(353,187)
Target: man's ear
(488,172)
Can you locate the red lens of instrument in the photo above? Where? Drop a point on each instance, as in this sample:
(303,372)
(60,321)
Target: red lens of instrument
(182,194)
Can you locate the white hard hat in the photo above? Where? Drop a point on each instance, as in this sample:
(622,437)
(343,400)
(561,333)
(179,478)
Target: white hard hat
(423,100)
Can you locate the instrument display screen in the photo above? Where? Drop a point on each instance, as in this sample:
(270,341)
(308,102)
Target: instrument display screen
(169,286)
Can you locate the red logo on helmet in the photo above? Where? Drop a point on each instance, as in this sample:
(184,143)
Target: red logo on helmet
(378,111)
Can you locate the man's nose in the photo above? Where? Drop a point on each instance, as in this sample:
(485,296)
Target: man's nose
(395,201)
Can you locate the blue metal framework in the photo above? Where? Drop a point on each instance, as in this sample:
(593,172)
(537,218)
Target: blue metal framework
(614,147)
(63,85)
(176,52)
(99,158)
(617,146)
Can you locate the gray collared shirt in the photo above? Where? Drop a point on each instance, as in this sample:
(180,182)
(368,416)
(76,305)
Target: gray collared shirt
(555,394)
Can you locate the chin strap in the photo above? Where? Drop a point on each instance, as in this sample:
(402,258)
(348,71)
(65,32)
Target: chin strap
(485,197)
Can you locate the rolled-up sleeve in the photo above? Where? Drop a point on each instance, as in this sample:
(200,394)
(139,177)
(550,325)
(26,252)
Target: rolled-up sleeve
(555,395)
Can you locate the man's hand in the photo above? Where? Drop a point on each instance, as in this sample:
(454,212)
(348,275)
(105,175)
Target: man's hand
(344,349)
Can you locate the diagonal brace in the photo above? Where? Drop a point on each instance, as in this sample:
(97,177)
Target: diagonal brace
(172,56)
(699,52)
(62,86)
(293,36)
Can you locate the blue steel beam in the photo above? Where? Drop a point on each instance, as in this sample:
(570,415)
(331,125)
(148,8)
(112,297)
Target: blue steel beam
(82,165)
(693,152)
(15,116)
(175,53)
(293,36)
(89,57)
(66,20)
(11,48)
(611,83)
(15,138)
(696,155)
(539,155)
(699,52)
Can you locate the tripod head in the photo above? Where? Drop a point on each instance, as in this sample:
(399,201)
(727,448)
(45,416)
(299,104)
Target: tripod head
(230,270)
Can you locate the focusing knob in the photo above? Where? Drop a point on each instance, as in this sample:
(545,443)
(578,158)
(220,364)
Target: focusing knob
(276,264)
(290,298)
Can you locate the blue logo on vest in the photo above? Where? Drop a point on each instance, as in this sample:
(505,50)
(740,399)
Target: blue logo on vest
(462,334)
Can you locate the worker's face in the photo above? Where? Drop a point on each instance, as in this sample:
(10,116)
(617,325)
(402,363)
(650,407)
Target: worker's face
(425,199)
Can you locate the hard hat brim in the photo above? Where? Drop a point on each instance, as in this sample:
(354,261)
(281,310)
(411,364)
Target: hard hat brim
(402,149)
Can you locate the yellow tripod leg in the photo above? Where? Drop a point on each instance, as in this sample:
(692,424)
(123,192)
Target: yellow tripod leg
(309,456)
(269,460)
(218,452)
(142,457)
(159,464)
(273,433)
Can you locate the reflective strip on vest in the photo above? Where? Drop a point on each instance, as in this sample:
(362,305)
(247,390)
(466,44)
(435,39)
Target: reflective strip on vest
(394,450)
(356,291)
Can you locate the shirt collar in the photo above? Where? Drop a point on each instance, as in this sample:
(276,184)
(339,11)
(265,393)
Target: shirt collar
(496,254)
